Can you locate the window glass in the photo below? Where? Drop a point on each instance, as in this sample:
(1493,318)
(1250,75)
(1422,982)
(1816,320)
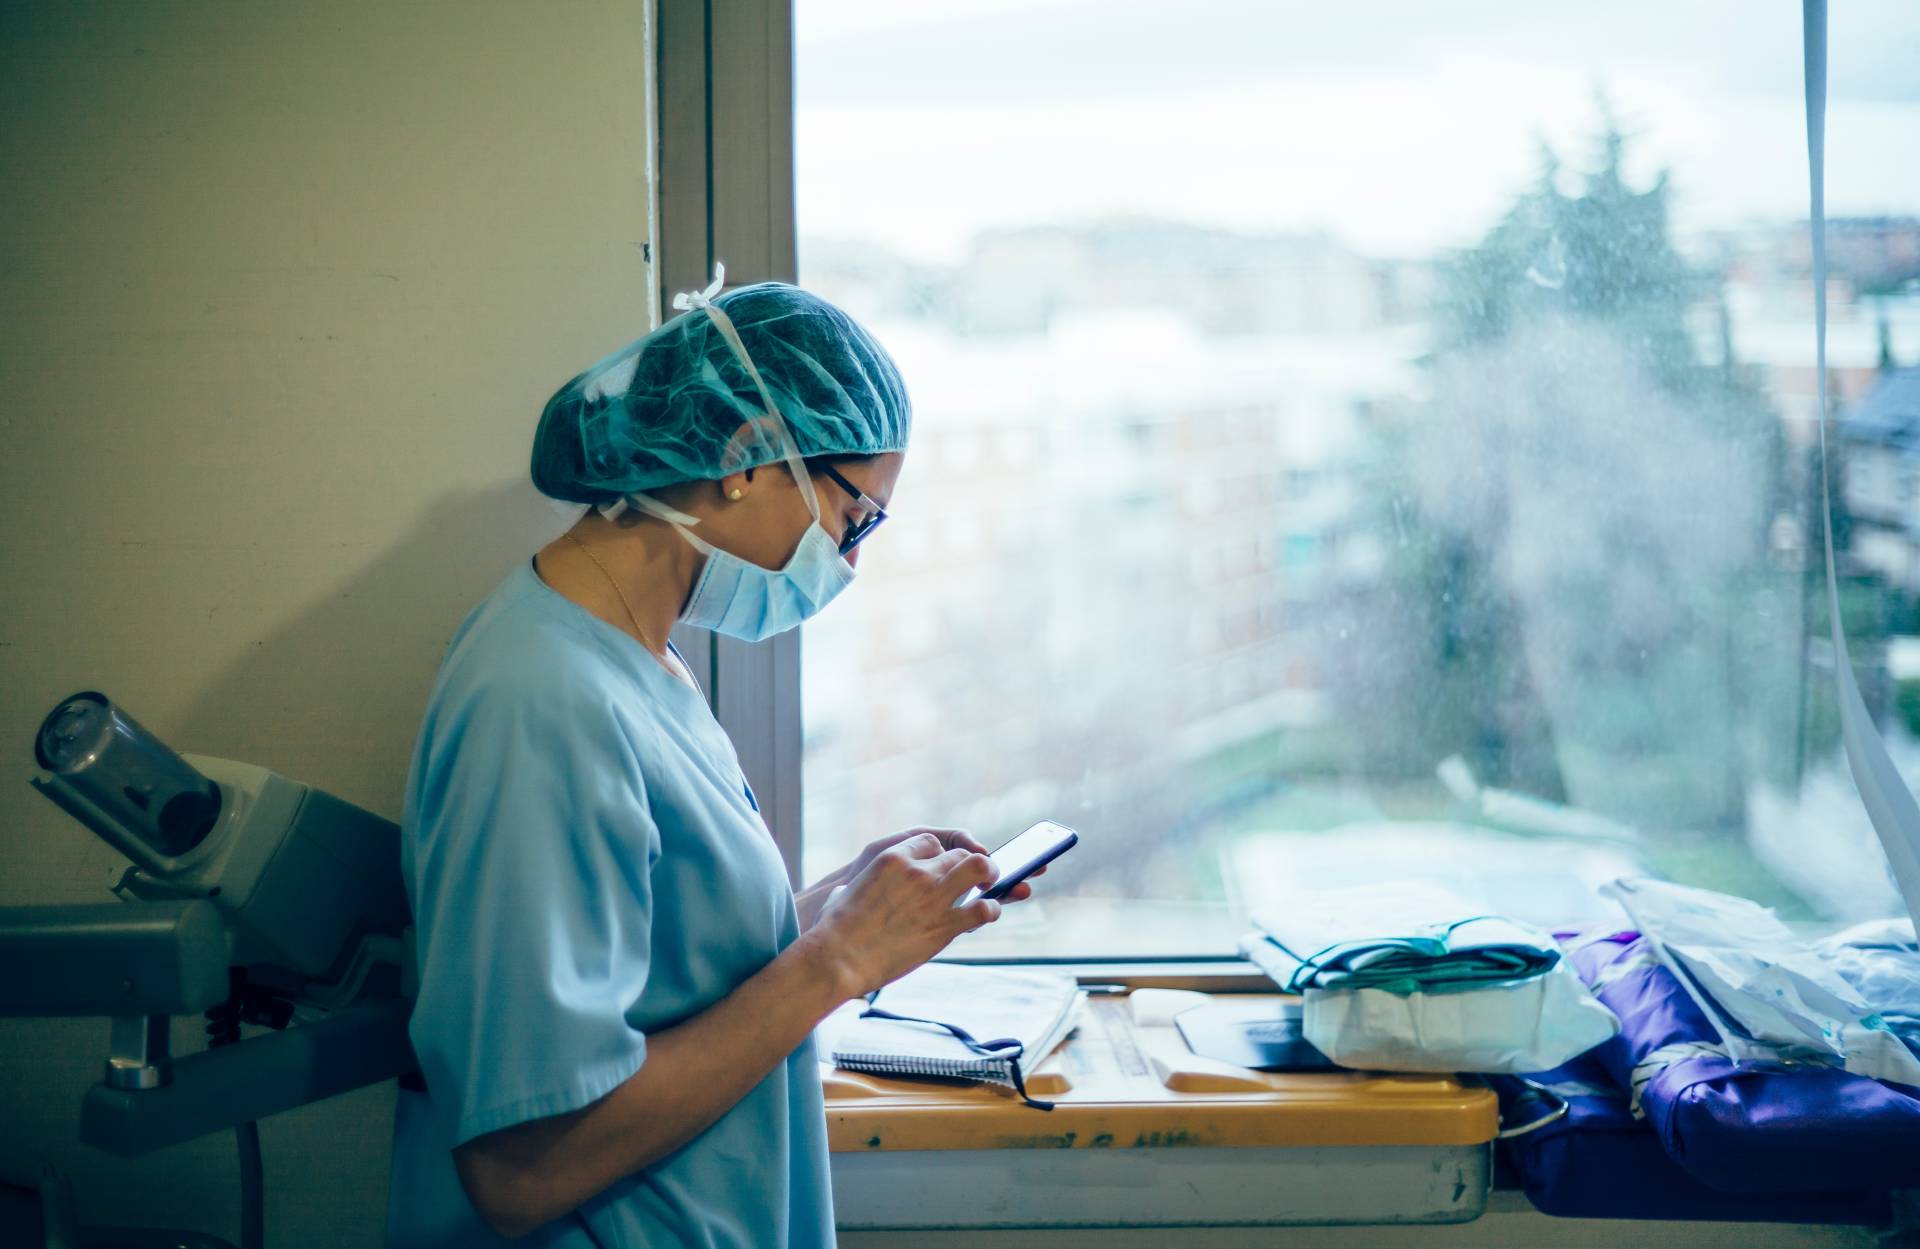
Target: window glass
(1365,441)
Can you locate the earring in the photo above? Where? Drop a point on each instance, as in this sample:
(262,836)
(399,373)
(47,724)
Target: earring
(735,494)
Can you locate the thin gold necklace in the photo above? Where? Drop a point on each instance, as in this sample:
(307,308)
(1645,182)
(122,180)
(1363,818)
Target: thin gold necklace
(631,618)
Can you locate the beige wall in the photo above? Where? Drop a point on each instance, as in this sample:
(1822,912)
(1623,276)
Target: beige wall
(283,288)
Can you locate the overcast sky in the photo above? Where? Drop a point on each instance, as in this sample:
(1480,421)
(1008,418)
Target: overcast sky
(1401,125)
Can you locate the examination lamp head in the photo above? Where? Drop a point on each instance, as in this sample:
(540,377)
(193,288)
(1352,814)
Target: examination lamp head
(302,877)
(121,781)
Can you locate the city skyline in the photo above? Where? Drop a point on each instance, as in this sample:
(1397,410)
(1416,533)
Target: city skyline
(1401,128)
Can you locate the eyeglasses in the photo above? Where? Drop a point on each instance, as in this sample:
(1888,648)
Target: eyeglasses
(857,531)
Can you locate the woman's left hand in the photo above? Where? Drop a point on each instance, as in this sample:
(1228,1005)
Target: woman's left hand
(813,899)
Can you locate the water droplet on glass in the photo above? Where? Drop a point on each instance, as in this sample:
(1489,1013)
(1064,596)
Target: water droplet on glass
(1549,268)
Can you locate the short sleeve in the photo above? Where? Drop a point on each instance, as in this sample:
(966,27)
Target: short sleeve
(530,848)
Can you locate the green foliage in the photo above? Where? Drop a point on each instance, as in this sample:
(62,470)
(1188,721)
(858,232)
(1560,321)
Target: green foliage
(1815,506)
(1906,701)
(1602,254)
(1459,689)
(1868,613)
(1594,255)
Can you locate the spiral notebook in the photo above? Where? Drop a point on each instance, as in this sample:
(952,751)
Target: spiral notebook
(1036,1008)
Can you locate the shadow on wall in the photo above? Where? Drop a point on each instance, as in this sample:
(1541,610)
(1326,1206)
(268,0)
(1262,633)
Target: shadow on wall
(334,698)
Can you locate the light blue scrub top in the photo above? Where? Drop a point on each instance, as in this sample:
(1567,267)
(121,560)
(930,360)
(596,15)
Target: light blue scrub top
(586,865)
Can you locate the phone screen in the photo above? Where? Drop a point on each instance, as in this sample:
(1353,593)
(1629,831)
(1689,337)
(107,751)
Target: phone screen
(1023,855)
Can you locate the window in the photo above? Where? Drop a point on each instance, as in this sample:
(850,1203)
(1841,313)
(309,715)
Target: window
(1359,441)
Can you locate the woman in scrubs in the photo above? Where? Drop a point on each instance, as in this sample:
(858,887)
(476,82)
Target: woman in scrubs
(617,985)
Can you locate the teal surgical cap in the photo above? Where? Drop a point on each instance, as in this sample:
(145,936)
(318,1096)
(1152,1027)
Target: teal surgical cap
(666,409)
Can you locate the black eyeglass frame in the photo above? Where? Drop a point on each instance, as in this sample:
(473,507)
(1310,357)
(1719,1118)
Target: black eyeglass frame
(858,531)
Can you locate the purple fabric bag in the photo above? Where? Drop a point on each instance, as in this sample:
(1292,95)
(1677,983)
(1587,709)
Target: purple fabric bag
(1742,1127)
(1598,1162)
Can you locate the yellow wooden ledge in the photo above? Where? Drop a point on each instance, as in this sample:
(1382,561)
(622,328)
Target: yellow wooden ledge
(1122,1085)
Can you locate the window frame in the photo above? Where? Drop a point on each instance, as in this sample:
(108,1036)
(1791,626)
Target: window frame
(723,152)
(722,141)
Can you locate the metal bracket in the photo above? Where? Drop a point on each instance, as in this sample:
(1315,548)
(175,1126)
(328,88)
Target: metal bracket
(137,1053)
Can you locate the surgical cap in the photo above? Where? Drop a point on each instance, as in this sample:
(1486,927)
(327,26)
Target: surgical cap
(666,409)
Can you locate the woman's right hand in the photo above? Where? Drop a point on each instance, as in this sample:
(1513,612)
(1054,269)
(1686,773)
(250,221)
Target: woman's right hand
(899,912)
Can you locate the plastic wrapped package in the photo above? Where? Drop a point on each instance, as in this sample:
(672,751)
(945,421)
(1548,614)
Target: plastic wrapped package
(1405,976)
(1397,935)
(1882,962)
(1517,1026)
(1767,992)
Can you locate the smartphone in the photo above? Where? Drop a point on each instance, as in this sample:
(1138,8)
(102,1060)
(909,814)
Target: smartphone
(1023,856)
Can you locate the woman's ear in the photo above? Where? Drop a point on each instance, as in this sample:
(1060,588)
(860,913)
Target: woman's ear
(734,486)
(761,431)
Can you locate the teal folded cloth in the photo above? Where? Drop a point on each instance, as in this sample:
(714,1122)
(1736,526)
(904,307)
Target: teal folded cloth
(1404,938)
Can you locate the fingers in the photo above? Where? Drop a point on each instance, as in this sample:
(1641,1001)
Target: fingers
(924,845)
(976,914)
(946,864)
(877,847)
(1019,893)
(960,838)
(967,871)
(950,838)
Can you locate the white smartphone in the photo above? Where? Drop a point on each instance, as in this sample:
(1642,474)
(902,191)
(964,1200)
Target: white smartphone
(1023,856)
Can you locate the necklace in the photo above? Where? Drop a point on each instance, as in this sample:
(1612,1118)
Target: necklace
(631,619)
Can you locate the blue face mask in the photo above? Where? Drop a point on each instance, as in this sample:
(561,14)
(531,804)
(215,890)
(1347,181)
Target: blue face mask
(752,603)
(732,596)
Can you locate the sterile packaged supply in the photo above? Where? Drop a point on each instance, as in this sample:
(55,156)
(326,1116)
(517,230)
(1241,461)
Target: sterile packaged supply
(1398,935)
(1518,1026)
(1405,976)
(1769,994)
(1881,960)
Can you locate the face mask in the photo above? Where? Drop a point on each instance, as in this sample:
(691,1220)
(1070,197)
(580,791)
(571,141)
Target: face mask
(732,596)
(752,603)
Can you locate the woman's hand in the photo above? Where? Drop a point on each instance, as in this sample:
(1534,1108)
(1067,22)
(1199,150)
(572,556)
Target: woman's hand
(898,910)
(950,839)
(813,899)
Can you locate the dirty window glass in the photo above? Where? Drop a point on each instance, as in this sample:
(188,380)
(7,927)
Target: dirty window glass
(1362,441)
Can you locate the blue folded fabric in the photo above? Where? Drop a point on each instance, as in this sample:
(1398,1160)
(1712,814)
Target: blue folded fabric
(1595,1160)
(1747,1127)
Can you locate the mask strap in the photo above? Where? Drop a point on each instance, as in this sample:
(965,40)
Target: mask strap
(673,516)
(702,300)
